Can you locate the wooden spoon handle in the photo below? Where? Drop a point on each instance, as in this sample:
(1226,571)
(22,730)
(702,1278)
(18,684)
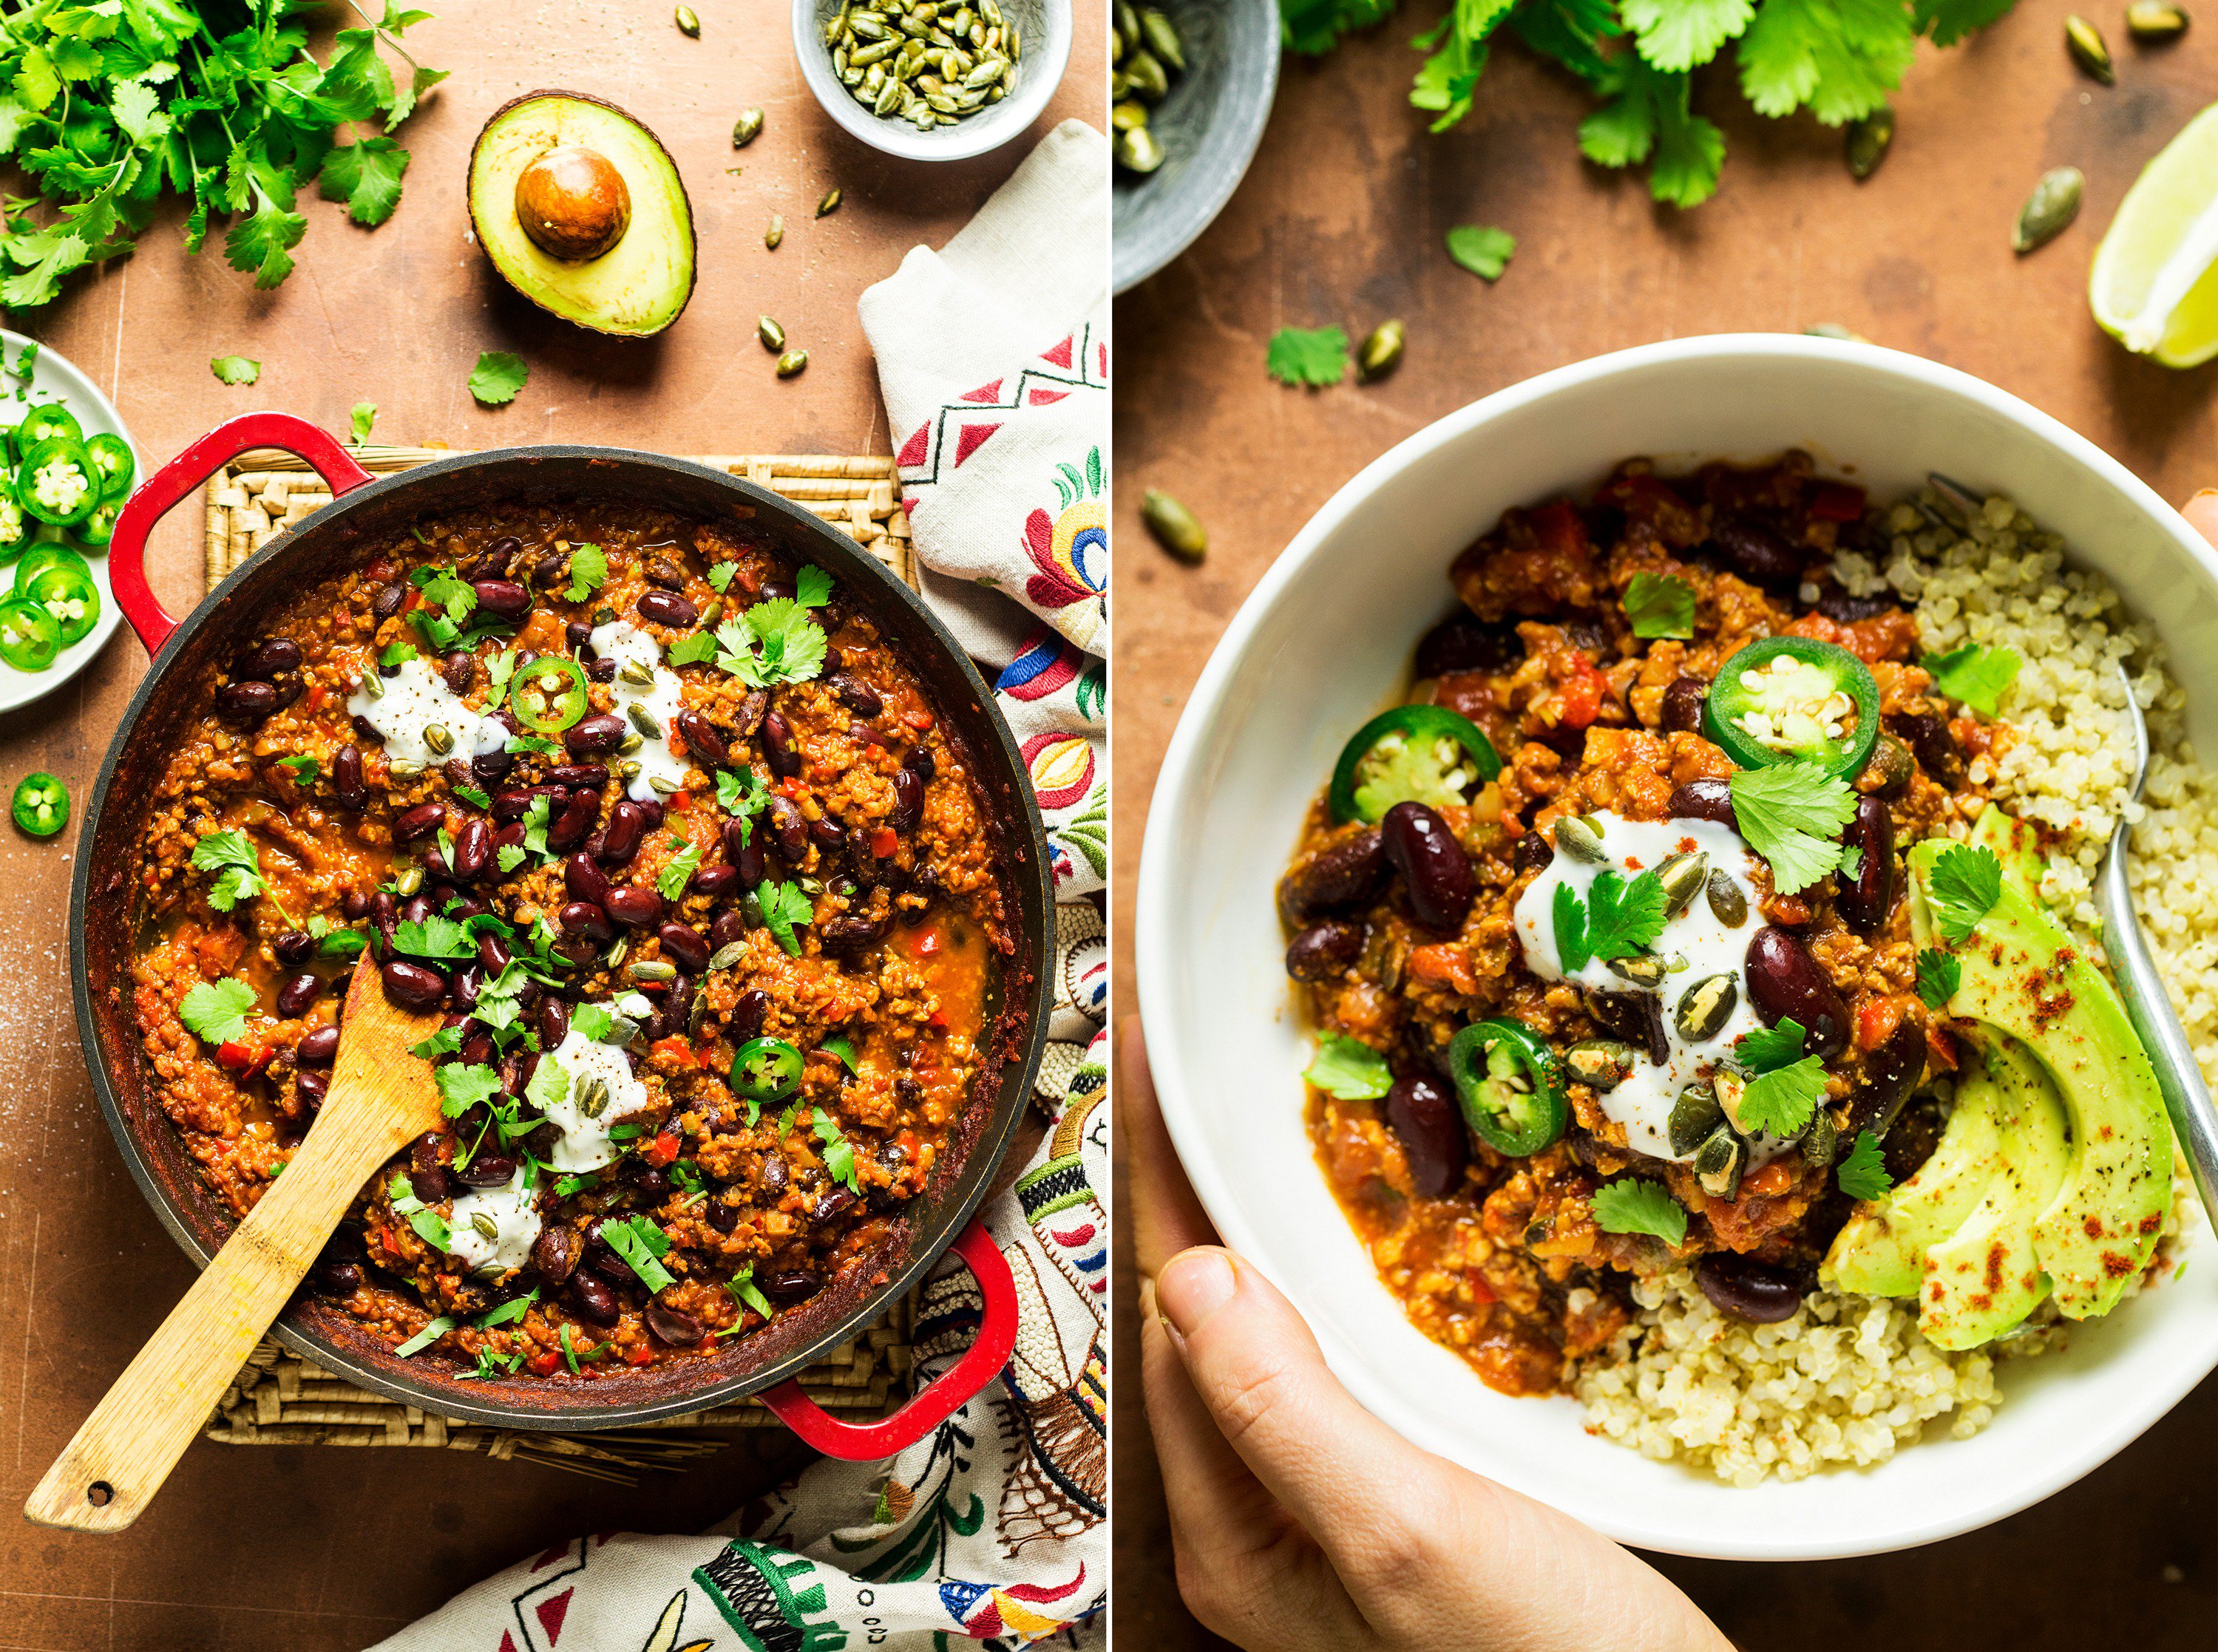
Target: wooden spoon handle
(119,1459)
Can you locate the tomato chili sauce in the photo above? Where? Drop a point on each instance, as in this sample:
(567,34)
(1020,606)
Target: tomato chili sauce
(1403,926)
(679,847)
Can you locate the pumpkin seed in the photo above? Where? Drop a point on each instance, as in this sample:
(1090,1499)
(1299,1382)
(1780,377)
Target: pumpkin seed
(628,771)
(437,737)
(1706,1006)
(643,720)
(711,614)
(1128,115)
(653,970)
(775,233)
(1581,839)
(617,952)
(662,785)
(1145,77)
(2049,210)
(888,100)
(726,957)
(1381,352)
(1163,38)
(1696,1113)
(1138,150)
(1644,969)
(486,1226)
(373,685)
(1603,1063)
(689,25)
(1727,904)
(636,671)
(409,882)
(1821,1138)
(2153,22)
(749,126)
(1682,876)
(697,1012)
(1865,142)
(791,362)
(2089,49)
(629,744)
(829,204)
(874,54)
(935,54)
(772,335)
(593,1097)
(401,769)
(1718,1162)
(1176,528)
(865,26)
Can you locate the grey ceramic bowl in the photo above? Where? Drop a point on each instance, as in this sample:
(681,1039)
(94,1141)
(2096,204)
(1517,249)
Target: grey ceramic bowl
(1043,28)
(1208,126)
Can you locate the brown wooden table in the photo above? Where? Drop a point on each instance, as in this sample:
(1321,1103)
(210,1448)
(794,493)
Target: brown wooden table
(1341,221)
(317,1547)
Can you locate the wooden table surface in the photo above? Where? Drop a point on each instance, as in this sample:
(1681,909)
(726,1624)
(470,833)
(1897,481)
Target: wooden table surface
(1341,221)
(319,1547)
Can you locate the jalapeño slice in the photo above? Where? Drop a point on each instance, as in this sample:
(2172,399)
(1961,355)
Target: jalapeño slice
(112,463)
(29,638)
(766,1070)
(99,527)
(1510,1086)
(56,482)
(1420,753)
(1788,698)
(41,805)
(550,694)
(67,592)
(47,419)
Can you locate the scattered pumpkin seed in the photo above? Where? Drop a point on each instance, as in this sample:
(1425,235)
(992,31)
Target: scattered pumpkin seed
(2089,49)
(635,671)
(1176,528)
(1866,141)
(726,957)
(653,970)
(373,685)
(1682,876)
(631,743)
(438,738)
(1381,352)
(2049,210)
(486,1226)
(1581,840)
(1727,904)
(2154,21)
(1138,150)
(775,233)
(1147,50)
(1603,1063)
(401,769)
(593,1097)
(643,720)
(617,952)
(746,128)
(772,335)
(409,883)
(1834,330)
(791,362)
(689,25)
(1706,1006)
(829,204)
(662,784)
(628,771)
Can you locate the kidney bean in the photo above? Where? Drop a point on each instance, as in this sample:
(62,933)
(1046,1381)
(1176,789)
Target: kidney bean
(384,605)
(503,599)
(702,740)
(750,712)
(667,607)
(246,702)
(354,905)
(718,882)
(1891,1073)
(495,561)
(430,1185)
(473,850)
(793,1286)
(593,1298)
(1635,1018)
(788,830)
(579,633)
(469,982)
(780,748)
(729,926)
(1754,552)
(579,776)
(267,660)
(908,801)
(1682,704)
(583,879)
(293,948)
(346,776)
(1324,950)
(1431,1130)
(855,694)
(338,1277)
(831,1205)
(772,591)
(574,821)
(620,838)
(554,1254)
(384,911)
(824,832)
(317,1047)
(553,1022)
(419,822)
(1704,799)
(586,918)
(678,1330)
(417,907)
(1463,642)
(298,996)
(1438,872)
(1930,741)
(684,945)
(596,735)
(723,1217)
(633,906)
(412,985)
(509,837)
(311,1088)
(486,1170)
(1864,901)
(513,805)
(848,932)
(1747,1289)
(1345,873)
(1784,979)
(601,670)
(749,1014)
(1838,605)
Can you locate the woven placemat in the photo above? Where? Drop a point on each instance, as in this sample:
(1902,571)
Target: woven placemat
(280,1399)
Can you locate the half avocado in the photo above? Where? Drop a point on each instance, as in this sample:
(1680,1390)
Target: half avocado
(581,210)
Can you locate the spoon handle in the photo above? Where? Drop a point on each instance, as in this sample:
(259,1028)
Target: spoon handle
(2178,1075)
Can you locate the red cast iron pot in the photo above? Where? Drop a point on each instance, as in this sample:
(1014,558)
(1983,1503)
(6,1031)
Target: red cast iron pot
(367,512)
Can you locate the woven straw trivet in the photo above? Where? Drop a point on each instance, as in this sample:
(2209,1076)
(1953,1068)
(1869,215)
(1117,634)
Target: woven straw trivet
(280,1399)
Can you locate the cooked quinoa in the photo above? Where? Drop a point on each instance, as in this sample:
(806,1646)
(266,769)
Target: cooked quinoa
(1849,1379)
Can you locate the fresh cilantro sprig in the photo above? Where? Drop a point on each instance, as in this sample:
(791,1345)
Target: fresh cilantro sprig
(642,1244)
(773,642)
(1977,677)
(1482,249)
(1862,1173)
(498,377)
(463,1087)
(588,571)
(671,880)
(215,1011)
(444,588)
(1349,1069)
(234,369)
(1782,1101)
(1965,885)
(433,937)
(1768,1048)
(1632,1205)
(747,1293)
(741,794)
(1788,812)
(237,866)
(1307,356)
(838,1151)
(1616,919)
(784,908)
(1660,605)
(1939,975)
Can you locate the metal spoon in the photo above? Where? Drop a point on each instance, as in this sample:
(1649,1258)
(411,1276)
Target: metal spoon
(2186,1098)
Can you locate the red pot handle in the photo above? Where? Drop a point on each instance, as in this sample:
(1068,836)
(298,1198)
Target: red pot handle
(127,549)
(939,1399)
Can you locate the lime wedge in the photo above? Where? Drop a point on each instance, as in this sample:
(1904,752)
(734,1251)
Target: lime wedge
(2154,285)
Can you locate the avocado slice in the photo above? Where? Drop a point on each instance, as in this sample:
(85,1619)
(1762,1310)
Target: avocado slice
(1983,1279)
(1881,1251)
(581,210)
(2023,977)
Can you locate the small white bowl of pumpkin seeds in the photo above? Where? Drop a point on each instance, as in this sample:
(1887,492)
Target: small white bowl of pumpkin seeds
(933,80)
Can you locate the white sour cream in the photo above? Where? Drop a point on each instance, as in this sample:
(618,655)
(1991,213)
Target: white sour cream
(1642,1103)
(508,1211)
(416,698)
(586,1144)
(625,643)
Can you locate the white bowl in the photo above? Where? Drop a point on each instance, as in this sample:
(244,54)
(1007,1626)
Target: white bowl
(1044,44)
(1323,641)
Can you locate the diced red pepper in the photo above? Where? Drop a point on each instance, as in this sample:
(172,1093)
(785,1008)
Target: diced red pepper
(884,841)
(662,1150)
(638,1354)
(318,695)
(919,721)
(1481,1292)
(246,1059)
(938,1021)
(927,943)
(545,1363)
(791,786)
(676,1048)
(1582,695)
(1837,502)
(678,801)
(1876,1022)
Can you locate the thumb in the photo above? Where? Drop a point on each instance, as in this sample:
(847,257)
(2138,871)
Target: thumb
(2202,513)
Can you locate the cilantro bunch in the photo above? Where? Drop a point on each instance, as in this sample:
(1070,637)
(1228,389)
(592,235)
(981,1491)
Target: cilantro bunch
(108,106)
(1837,59)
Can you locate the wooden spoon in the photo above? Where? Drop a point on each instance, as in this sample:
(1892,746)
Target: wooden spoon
(381,1098)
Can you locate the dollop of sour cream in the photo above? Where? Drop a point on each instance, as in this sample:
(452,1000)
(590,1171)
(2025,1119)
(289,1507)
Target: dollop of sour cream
(507,1212)
(1642,1103)
(586,1144)
(415,699)
(625,643)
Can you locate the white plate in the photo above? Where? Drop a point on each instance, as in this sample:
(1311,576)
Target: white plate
(54,377)
(1322,644)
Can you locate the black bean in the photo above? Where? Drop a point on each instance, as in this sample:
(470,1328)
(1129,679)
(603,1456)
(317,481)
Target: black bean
(1754,552)
(316,1047)
(633,906)
(585,918)
(1438,872)
(431,1184)
(718,882)
(1682,704)
(1747,1289)
(774,590)
(1431,1128)
(1345,873)
(848,932)
(1935,747)
(652,809)
(346,776)
(855,694)
(311,1088)
(419,822)
(908,802)
(503,599)
(780,748)
(601,670)
(572,822)
(338,1277)
(1324,950)
(1463,642)
(554,1253)
(1891,1073)
(246,702)
(678,1330)
(749,1014)
(412,985)
(651,1183)
(832,1204)
(298,996)
(1533,852)
(593,1298)
(620,838)
(595,736)
(791,1285)
(417,907)
(1704,799)
(579,633)
(1784,979)
(1835,603)
(499,556)
(269,660)
(386,602)
(293,948)
(1865,901)
(685,946)
(667,607)
(723,1217)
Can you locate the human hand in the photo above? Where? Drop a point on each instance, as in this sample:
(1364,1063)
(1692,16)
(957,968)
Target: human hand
(1299,1521)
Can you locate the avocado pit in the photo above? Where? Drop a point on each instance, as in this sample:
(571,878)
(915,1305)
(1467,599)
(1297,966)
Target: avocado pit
(573,202)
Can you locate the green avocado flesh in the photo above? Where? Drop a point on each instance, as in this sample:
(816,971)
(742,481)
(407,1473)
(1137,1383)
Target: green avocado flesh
(638,286)
(2054,1170)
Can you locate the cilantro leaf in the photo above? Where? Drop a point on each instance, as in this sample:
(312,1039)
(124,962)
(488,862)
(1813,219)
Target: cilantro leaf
(366,175)
(720,577)
(461,1088)
(215,1010)
(641,1244)
(430,1333)
(1482,249)
(1684,34)
(1616,921)
(773,642)
(1631,1205)
(445,1042)
(433,937)
(1840,57)
(1947,22)
(741,792)
(1788,812)
(446,589)
(1646,118)
(838,1151)
(784,905)
(262,243)
(305,769)
(237,865)
(1938,977)
(1769,1048)
(234,369)
(550,1084)
(1780,1101)
(1570,915)
(697,648)
(498,377)
(508,856)
(1965,886)
(1306,356)
(1975,675)
(1862,1173)
(812,586)
(744,1290)
(1349,1069)
(671,880)
(364,415)
(1660,605)
(588,571)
